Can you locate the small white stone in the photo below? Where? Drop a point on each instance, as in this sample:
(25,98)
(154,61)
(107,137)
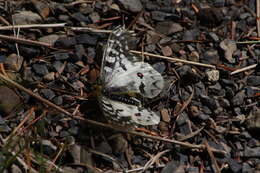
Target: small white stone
(212,75)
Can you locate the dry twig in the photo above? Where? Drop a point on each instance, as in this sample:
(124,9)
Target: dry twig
(154,159)
(37,43)
(258,17)
(141,168)
(121,129)
(212,157)
(52,164)
(13,83)
(244,69)
(79,2)
(26,41)
(90,29)
(173,59)
(53,25)
(186,137)
(185,104)
(29,114)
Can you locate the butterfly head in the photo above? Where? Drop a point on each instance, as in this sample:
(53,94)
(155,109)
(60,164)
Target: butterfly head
(97,89)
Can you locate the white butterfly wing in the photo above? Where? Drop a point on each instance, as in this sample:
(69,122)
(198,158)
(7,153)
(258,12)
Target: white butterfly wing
(128,114)
(112,58)
(139,78)
(124,72)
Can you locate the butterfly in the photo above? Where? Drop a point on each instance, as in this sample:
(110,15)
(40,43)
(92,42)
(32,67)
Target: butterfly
(125,81)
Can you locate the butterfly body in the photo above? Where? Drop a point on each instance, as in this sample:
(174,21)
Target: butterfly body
(124,79)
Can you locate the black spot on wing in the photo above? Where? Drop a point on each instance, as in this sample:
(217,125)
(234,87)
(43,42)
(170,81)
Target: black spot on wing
(138,114)
(140,75)
(123,66)
(141,88)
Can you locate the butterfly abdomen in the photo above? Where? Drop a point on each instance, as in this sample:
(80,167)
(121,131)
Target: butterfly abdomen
(124,98)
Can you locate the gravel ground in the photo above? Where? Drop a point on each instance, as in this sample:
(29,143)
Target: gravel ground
(50,62)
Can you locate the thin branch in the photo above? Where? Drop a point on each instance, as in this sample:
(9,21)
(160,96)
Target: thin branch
(244,69)
(121,129)
(53,25)
(37,43)
(212,157)
(248,42)
(174,59)
(141,168)
(258,17)
(185,104)
(47,102)
(79,2)
(46,163)
(25,41)
(29,114)
(186,137)
(43,44)
(154,159)
(52,163)
(89,29)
